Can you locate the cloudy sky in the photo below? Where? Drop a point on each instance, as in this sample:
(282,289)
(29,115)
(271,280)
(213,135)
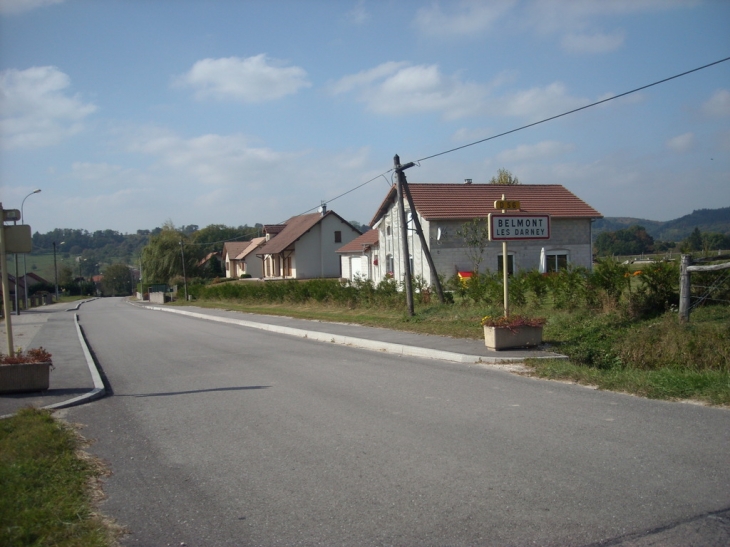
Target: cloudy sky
(131,113)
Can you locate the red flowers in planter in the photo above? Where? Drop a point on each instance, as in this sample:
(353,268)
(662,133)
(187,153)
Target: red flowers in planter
(36,355)
(512,322)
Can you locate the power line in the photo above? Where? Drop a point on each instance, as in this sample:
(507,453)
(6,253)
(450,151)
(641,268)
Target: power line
(624,94)
(576,109)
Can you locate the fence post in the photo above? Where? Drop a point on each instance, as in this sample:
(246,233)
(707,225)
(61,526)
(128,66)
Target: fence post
(684,288)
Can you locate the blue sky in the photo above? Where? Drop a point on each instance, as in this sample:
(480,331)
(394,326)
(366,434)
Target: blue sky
(131,113)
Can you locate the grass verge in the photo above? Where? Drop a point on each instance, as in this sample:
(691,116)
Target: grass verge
(46,485)
(712,387)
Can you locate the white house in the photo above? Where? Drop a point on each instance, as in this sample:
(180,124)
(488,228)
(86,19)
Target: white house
(305,246)
(443,209)
(248,262)
(358,259)
(231,249)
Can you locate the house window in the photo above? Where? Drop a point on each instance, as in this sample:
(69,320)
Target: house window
(510,264)
(387,230)
(556,261)
(389,264)
(338,237)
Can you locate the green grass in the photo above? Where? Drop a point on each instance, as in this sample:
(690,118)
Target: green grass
(656,357)
(45,486)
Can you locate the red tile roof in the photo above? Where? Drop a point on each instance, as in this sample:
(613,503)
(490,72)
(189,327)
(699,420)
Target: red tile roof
(234,248)
(465,201)
(358,244)
(294,228)
(254,244)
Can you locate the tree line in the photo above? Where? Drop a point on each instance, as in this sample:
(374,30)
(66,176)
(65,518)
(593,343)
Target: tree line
(635,240)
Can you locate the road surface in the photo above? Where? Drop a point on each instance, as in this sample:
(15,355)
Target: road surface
(222,435)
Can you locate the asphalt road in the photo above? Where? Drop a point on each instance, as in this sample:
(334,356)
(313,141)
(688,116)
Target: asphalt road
(221,435)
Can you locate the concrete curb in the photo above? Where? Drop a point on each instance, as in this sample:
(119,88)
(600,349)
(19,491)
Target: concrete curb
(99,390)
(76,308)
(373,345)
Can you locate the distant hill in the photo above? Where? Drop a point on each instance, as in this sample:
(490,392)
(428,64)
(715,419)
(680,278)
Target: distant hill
(707,220)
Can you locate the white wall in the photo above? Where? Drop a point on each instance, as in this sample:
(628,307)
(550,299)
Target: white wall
(315,251)
(450,255)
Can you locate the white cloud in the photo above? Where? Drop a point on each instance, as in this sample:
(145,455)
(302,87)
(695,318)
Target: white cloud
(399,89)
(531,152)
(359,15)
(365,77)
(718,105)
(681,143)
(94,172)
(207,159)
(252,80)
(19,6)
(592,43)
(465,134)
(537,103)
(35,109)
(466,17)
(550,16)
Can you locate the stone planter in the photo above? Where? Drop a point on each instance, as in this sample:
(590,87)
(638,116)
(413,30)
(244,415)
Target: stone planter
(24,377)
(520,337)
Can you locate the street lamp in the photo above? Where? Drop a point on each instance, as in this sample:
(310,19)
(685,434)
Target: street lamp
(25,271)
(55,266)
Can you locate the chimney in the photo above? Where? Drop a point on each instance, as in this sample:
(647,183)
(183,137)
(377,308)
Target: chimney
(467,181)
(323,208)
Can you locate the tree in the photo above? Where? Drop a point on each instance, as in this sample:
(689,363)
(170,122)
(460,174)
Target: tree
(475,234)
(117,280)
(504,178)
(65,275)
(631,241)
(162,257)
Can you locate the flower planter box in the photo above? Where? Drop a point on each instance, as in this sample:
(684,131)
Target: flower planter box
(24,377)
(519,337)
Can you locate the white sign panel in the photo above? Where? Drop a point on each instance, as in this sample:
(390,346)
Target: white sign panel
(518,227)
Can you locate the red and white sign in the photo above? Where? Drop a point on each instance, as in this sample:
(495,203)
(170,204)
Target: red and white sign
(518,227)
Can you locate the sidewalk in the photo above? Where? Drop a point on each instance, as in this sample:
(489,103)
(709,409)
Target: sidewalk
(445,348)
(72,381)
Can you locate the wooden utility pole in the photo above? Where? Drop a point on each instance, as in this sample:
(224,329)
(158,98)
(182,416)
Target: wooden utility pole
(684,288)
(7,310)
(404,237)
(419,231)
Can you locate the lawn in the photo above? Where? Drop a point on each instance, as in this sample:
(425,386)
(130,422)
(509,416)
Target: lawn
(47,486)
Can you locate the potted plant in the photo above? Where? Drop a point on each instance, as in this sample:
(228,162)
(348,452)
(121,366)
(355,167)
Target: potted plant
(515,331)
(25,371)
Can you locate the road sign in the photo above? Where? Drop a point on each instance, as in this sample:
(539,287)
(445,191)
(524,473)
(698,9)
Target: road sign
(507,204)
(510,227)
(18,239)
(11,214)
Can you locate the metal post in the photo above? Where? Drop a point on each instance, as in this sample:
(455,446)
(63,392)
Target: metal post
(404,238)
(55,269)
(6,286)
(17,283)
(684,288)
(185,279)
(505,278)
(25,270)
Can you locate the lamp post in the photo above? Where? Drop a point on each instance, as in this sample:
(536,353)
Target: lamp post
(25,271)
(55,266)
